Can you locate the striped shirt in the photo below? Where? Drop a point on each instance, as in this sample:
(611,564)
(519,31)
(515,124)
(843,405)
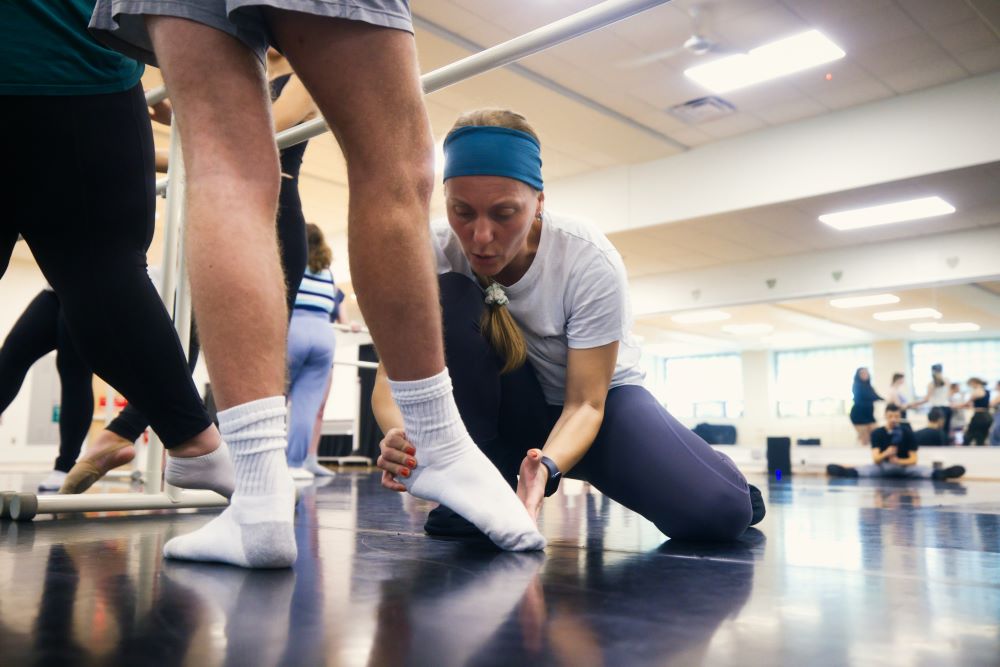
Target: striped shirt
(317,292)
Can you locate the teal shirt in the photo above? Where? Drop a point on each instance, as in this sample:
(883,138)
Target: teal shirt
(45,49)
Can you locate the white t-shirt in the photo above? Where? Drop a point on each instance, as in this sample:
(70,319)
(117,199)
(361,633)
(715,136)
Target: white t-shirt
(574,295)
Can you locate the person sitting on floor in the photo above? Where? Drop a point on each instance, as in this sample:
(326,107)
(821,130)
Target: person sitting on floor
(933,434)
(894,454)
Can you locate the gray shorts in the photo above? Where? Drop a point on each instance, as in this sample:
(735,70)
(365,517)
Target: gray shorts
(121,24)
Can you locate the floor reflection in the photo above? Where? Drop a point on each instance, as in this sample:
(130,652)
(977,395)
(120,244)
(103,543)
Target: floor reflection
(918,561)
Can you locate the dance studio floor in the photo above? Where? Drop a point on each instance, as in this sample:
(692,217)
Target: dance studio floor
(840,573)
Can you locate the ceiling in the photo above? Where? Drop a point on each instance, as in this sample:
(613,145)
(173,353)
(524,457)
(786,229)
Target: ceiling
(793,227)
(893,47)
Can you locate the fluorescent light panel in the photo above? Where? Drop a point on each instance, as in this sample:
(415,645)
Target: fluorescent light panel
(770,61)
(885,214)
(862,301)
(909,314)
(944,327)
(701,316)
(747,329)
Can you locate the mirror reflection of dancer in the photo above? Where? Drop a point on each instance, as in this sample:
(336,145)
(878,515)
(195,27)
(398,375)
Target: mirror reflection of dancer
(863,410)
(894,454)
(939,396)
(978,429)
(546,371)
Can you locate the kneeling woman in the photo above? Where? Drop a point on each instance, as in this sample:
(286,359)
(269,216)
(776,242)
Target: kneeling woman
(537,342)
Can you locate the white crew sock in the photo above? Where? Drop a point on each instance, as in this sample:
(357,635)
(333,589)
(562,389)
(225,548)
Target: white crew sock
(256,529)
(212,471)
(452,470)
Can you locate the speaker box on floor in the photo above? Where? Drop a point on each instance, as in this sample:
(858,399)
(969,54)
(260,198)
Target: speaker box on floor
(779,455)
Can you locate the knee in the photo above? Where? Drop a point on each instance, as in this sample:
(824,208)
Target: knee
(721,515)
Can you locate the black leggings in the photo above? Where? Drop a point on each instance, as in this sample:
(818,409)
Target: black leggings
(642,457)
(41,329)
(83,198)
(978,429)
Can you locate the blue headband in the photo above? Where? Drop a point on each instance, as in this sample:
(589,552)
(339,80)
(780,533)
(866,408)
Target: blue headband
(481,150)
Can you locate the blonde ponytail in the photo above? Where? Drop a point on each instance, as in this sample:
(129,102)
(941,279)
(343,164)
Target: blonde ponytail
(502,332)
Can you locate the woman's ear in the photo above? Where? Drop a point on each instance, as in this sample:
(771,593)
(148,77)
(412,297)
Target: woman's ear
(540,207)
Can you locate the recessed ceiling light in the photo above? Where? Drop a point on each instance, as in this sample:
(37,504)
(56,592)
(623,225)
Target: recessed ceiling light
(884,214)
(862,301)
(944,327)
(700,316)
(770,61)
(909,314)
(747,329)
(793,339)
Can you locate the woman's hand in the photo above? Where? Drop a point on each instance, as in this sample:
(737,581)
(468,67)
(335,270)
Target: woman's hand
(396,459)
(531,482)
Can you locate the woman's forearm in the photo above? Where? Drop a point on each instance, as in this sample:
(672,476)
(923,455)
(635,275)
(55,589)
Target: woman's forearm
(572,436)
(386,412)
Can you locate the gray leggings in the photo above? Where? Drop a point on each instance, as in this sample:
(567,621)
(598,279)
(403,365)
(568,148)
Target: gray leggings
(642,457)
(894,470)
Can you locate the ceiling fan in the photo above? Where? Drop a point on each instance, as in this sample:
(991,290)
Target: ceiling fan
(699,43)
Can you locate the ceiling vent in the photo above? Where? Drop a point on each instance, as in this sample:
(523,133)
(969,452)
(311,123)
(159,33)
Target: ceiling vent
(702,110)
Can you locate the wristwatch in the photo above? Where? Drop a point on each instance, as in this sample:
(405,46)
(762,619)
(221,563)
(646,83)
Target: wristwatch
(555,476)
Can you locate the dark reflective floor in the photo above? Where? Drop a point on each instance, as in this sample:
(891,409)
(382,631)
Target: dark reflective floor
(857,573)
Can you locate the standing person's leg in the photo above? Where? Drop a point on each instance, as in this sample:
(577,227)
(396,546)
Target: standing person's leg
(31,338)
(311,355)
(873,470)
(312,463)
(652,464)
(77,408)
(221,106)
(365,80)
(978,429)
(100,213)
(294,251)
(915,472)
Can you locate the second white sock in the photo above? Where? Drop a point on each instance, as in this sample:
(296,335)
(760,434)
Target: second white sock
(256,529)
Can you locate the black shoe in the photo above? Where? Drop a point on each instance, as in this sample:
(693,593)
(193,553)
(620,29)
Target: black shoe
(445,522)
(948,473)
(834,470)
(757,505)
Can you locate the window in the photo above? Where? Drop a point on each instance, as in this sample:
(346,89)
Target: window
(709,387)
(817,383)
(961,360)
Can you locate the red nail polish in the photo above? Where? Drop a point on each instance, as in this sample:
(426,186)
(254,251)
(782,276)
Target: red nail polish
(410,450)
(411,462)
(405,472)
